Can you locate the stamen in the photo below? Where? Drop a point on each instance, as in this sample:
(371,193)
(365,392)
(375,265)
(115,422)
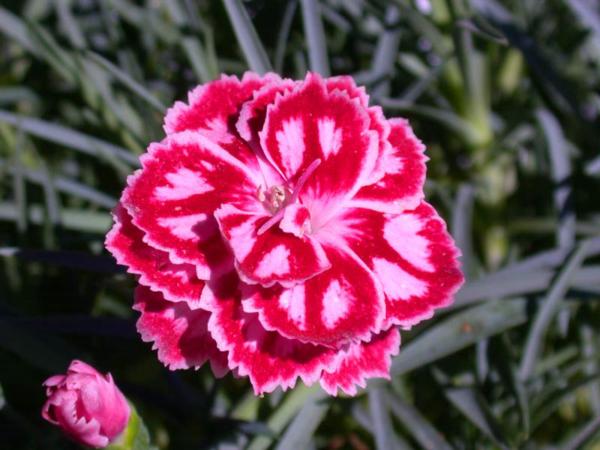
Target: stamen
(303,179)
(299,185)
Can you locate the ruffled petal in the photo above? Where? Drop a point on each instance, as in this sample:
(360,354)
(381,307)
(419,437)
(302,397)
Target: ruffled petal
(253,113)
(215,105)
(412,255)
(179,334)
(401,186)
(273,256)
(340,305)
(345,83)
(267,358)
(361,361)
(177,282)
(309,124)
(172,199)
(378,122)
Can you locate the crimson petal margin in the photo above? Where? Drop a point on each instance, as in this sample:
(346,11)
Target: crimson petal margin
(309,124)
(173,198)
(179,334)
(361,361)
(272,257)
(213,105)
(411,254)
(177,282)
(343,304)
(267,358)
(401,186)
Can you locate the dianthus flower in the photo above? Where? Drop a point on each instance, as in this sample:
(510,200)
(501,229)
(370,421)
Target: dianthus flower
(280,231)
(86,405)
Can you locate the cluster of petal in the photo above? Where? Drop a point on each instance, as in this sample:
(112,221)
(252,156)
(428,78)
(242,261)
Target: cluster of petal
(280,231)
(86,405)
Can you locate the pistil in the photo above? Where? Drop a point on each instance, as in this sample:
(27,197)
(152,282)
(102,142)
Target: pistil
(276,198)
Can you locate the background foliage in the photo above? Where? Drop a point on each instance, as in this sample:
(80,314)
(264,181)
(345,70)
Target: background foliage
(504,93)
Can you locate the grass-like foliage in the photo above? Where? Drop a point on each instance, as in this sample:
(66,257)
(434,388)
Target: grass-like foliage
(505,94)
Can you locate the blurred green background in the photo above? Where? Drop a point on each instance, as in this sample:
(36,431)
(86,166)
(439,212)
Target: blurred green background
(506,96)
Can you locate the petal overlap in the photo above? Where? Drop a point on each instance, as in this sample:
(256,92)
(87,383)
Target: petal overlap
(413,257)
(173,198)
(179,334)
(343,304)
(400,173)
(267,358)
(280,232)
(177,282)
(309,124)
(271,257)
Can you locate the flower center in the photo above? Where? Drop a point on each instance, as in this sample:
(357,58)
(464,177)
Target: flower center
(273,198)
(276,198)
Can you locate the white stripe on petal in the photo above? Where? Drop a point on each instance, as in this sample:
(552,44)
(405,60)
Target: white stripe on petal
(183,184)
(330,137)
(243,239)
(184,227)
(401,234)
(291,144)
(335,304)
(397,283)
(276,262)
(293,301)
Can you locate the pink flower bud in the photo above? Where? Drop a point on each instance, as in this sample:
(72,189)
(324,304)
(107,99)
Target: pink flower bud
(86,405)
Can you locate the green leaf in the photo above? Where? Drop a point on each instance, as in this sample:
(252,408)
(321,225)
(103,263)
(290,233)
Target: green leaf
(286,411)
(561,173)
(67,137)
(315,37)
(135,436)
(547,310)
(583,436)
(247,38)
(471,403)
(424,433)
(382,430)
(300,432)
(459,331)
(124,78)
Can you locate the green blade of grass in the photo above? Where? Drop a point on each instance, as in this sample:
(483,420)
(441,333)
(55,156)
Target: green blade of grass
(424,433)
(66,186)
(315,37)
(561,173)
(128,81)
(68,137)
(300,432)
(69,24)
(15,29)
(547,310)
(459,331)
(286,411)
(584,435)
(383,430)
(284,33)
(247,38)
(191,45)
(71,219)
(471,404)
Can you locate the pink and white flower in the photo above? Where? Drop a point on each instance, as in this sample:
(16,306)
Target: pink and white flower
(280,231)
(86,405)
